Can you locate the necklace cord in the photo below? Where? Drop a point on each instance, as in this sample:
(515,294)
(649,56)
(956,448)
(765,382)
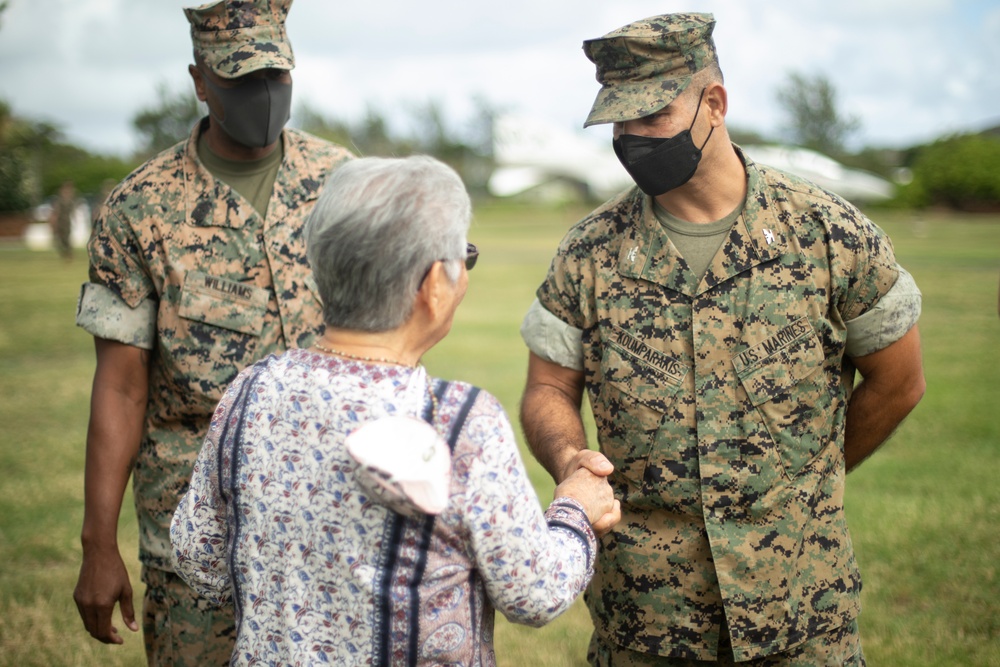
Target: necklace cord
(385,360)
(358,357)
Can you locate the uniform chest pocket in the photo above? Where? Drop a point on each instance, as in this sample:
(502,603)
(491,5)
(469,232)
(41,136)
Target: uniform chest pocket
(223,303)
(788,391)
(632,404)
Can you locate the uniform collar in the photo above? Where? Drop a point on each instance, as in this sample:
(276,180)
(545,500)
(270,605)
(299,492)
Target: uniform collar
(756,237)
(211,202)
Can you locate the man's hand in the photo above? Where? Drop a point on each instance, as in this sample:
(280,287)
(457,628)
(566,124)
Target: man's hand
(588,459)
(103,583)
(595,494)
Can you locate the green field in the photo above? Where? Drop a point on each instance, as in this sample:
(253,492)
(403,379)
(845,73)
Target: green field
(924,511)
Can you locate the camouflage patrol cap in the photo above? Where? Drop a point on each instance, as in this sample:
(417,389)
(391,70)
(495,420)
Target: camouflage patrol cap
(236,37)
(643,66)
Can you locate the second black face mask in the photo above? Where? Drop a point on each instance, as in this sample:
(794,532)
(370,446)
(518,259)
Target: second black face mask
(658,164)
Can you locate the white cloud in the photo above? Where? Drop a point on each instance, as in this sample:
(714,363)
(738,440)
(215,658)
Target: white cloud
(911,69)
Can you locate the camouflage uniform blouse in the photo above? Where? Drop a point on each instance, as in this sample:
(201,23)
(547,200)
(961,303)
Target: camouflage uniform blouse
(182,265)
(721,403)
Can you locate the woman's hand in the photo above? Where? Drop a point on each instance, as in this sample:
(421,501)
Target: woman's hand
(595,494)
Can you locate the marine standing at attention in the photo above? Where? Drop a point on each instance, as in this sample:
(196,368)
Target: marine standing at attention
(197,269)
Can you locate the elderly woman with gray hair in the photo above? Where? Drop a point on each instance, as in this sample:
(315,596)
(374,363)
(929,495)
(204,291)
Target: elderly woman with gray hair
(354,509)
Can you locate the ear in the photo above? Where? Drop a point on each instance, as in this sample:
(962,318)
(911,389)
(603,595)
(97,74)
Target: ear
(437,294)
(199,83)
(429,296)
(718,103)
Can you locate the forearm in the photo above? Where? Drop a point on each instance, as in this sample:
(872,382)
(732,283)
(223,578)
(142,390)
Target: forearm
(199,536)
(117,414)
(893,384)
(546,580)
(199,531)
(872,417)
(112,445)
(533,565)
(552,427)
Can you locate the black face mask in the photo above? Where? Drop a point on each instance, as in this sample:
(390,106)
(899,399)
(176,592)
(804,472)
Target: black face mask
(659,165)
(255,110)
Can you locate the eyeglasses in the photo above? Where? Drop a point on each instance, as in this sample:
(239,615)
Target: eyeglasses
(471,256)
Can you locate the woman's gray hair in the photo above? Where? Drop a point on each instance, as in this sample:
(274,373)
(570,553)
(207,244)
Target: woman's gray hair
(378,226)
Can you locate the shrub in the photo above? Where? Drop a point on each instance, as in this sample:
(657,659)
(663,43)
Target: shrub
(13,193)
(961,172)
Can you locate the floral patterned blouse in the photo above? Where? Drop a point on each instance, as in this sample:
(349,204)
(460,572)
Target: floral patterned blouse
(275,522)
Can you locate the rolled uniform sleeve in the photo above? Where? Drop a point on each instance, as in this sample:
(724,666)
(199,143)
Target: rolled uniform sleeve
(553,328)
(102,313)
(888,320)
(116,303)
(551,338)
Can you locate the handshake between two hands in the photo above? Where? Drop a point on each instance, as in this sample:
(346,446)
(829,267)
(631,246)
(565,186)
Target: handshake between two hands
(586,481)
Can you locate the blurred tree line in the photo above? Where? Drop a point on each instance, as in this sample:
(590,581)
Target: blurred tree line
(419,128)
(35,159)
(961,172)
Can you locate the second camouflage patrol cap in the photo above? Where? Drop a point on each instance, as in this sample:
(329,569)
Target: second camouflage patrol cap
(643,66)
(236,37)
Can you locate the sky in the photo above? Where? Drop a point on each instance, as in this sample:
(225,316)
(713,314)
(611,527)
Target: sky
(910,70)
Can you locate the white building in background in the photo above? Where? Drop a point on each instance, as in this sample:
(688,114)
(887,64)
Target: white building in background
(38,235)
(854,185)
(531,153)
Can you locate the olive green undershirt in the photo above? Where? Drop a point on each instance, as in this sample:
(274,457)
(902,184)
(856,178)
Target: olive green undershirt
(253,179)
(697,243)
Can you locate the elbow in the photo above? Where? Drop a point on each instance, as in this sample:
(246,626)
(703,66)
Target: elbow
(210,580)
(537,613)
(522,619)
(918,390)
(914,392)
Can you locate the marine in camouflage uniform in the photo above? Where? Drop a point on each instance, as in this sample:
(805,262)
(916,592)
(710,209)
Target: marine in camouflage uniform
(190,282)
(721,394)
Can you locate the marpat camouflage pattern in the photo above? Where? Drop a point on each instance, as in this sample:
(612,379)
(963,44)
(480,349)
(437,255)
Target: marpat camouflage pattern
(224,287)
(643,66)
(236,37)
(721,402)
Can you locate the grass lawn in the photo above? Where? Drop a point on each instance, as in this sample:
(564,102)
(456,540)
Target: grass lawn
(924,512)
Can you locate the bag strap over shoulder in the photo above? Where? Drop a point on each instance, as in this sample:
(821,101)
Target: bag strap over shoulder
(440,389)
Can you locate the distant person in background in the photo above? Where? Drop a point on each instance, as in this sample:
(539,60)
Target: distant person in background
(340,547)
(716,315)
(197,270)
(61,219)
